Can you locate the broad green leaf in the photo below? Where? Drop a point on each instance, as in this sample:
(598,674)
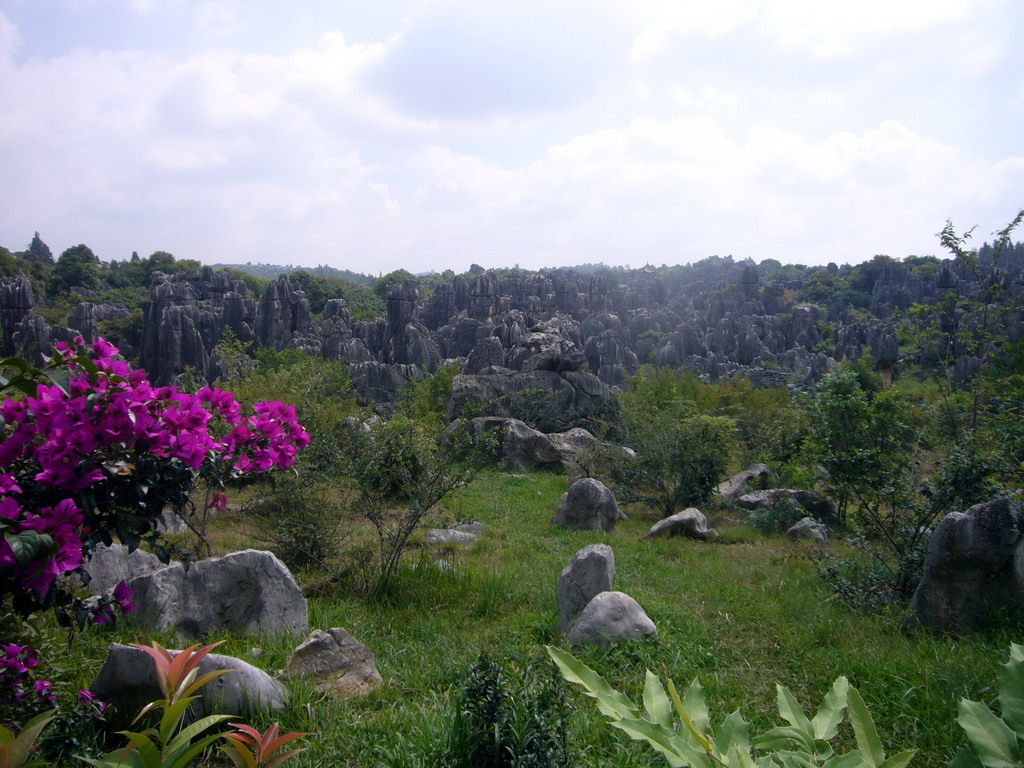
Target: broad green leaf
(794,760)
(15,749)
(790,710)
(851,759)
(144,748)
(733,734)
(656,702)
(180,759)
(60,378)
(1011,690)
(693,700)
(697,735)
(868,743)
(611,703)
(28,546)
(784,737)
(900,759)
(993,741)
(964,758)
(189,732)
(830,714)
(676,750)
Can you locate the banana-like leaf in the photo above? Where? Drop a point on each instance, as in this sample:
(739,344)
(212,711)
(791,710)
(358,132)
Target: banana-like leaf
(189,732)
(791,711)
(993,741)
(611,702)
(830,714)
(868,743)
(1011,690)
(656,702)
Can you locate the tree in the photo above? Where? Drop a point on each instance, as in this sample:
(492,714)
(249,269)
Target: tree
(77,267)
(38,251)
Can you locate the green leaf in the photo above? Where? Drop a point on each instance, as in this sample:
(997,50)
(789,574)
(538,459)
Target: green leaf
(656,702)
(830,714)
(868,743)
(29,546)
(144,747)
(993,741)
(677,751)
(189,732)
(182,757)
(693,701)
(790,710)
(60,377)
(964,758)
(900,759)
(611,703)
(852,759)
(1011,690)
(733,734)
(784,737)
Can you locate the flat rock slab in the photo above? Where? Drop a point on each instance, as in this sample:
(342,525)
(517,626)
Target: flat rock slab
(690,523)
(128,681)
(248,592)
(449,536)
(610,618)
(336,663)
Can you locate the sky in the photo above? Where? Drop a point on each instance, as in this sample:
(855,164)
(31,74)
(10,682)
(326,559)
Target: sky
(433,134)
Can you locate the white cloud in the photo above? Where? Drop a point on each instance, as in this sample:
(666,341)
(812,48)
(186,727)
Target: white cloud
(10,40)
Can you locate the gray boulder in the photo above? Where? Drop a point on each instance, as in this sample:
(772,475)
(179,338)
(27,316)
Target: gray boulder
(974,570)
(611,617)
(247,592)
(336,663)
(755,476)
(591,571)
(809,528)
(816,505)
(449,536)
(690,523)
(588,505)
(128,681)
(108,566)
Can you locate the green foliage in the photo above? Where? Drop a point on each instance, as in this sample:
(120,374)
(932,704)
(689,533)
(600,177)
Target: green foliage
(397,277)
(300,521)
(995,742)
(426,399)
(248,748)
(510,718)
(15,749)
(803,743)
(77,267)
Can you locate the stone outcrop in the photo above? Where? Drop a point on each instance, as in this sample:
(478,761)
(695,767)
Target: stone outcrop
(248,593)
(588,505)
(690,523)
(756,476)
(610,618)
(128,681)
(591,572)
(974,570)
(336,663)
(809,528)
(108,566)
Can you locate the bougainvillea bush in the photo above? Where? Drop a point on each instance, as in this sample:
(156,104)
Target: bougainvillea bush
(91,451)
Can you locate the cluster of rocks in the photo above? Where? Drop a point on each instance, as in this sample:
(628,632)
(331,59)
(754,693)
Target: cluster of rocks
(250,593)
(568,335)
(589,611)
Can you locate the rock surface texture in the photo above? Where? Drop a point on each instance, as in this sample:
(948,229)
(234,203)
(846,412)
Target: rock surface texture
(809,528)
(588,505)
(974,571)
(591,572)
(610,618)
(111,565)
(246,592)
(336,663)
(755,477)
(690,523)
(128,681)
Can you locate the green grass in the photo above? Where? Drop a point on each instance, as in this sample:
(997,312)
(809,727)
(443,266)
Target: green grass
(741,614)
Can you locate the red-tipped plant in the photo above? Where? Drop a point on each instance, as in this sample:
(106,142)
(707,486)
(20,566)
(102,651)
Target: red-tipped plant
(252,749)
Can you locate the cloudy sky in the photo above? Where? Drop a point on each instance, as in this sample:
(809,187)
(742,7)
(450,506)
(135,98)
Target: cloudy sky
(427,134)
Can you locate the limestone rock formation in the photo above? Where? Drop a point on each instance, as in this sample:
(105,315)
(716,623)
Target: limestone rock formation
(591,571)
(588,505)
(336,663)
(610,618)
(809,528)
(690,523)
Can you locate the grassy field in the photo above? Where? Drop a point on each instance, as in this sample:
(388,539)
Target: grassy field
(741,616)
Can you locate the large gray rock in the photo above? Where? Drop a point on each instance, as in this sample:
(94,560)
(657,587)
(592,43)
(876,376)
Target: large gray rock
(128,681)
(809,528)
(756,476)
(335,662)
(247,592)
(611,617)
(974,570)
(690,523)
(591,571)
(449,536)
(108,566)
(816,505)
(588,505)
